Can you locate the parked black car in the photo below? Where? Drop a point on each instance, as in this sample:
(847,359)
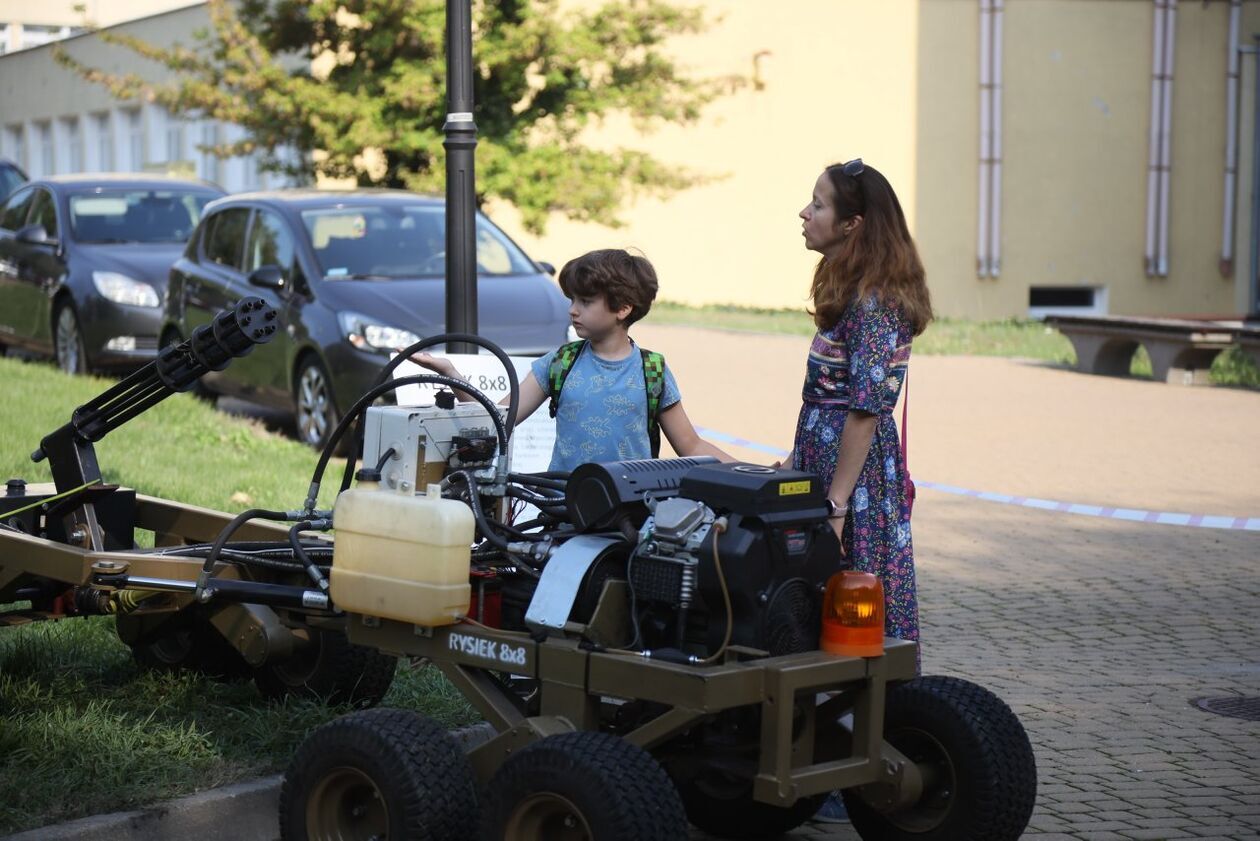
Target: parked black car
(353,277)
(11,177)
(84,261)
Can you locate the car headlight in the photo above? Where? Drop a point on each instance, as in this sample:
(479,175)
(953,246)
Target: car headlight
(367,334)
(125,290)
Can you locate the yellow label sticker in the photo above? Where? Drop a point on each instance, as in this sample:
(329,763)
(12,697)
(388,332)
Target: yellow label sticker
(791,488)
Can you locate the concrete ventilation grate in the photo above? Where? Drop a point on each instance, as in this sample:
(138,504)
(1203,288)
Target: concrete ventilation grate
(1234,706)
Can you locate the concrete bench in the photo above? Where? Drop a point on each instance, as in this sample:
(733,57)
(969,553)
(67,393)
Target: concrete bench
(1181,351)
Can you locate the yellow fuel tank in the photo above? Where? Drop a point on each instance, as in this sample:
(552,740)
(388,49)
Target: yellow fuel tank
(401,556)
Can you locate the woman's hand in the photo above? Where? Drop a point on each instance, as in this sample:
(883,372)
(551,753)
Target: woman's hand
(837,526)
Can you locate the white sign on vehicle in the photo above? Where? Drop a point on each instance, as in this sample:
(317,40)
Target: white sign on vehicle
(532,440)
(500,652)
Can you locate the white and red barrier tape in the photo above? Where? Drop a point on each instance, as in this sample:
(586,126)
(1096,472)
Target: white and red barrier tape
(1133,515)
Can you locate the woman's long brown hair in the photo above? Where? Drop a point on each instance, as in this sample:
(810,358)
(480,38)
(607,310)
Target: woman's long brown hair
(877,259)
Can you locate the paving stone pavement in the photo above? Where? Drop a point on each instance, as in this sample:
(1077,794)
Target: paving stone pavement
(1097,632)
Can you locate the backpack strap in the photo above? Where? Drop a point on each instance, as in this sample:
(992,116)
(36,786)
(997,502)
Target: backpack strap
(654,379)
(558,371)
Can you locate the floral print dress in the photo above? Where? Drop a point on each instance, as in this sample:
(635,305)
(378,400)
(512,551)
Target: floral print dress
(860,363)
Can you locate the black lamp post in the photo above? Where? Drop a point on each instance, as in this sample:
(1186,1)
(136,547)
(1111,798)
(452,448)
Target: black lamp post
(461,144)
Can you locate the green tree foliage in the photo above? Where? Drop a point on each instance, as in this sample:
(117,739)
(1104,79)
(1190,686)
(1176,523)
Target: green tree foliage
(333,78)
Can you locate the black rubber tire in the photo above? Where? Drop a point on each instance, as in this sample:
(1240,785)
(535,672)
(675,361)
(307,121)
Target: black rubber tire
(583,786)
(185,643)
(315,412)
(726,809)
(379,773)
(68,347)
(171,652)
(981,758)
(330,669)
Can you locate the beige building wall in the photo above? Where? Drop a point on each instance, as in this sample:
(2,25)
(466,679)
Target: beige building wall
(839,82)
(94,12)
(1077,92)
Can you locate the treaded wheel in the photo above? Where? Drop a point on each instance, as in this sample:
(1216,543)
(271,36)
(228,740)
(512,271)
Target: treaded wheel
(583,786)
(723,806)
(186,642)
(980,775)
(381,773)
(332,669)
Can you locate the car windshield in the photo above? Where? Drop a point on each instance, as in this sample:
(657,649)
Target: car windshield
(10,179)
(400,241)
(122,215)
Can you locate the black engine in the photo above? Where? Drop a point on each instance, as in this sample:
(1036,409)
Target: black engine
(775,552)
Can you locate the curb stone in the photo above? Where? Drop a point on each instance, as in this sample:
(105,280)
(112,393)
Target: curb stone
(236,812)
(246,811)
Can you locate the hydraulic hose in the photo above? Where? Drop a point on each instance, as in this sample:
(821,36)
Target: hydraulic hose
(474,502)
(538,481)
(299,551)
(207,568)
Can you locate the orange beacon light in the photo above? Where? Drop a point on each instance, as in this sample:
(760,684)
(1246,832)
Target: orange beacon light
(853,615)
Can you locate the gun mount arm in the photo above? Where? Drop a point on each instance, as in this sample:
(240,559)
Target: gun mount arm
(233,333)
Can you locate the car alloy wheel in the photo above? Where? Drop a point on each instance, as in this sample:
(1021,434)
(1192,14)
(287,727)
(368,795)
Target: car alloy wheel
(316,411)
(68,342)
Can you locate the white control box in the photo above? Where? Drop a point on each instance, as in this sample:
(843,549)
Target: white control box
(421,438)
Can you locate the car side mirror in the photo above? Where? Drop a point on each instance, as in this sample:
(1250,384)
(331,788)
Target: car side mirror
(34,235)
(549,268)
(268,277)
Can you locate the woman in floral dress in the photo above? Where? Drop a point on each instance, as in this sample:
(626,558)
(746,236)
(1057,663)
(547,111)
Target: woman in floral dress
(870,300)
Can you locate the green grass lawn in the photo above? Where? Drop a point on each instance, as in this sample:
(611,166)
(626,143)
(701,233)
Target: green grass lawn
(82,729)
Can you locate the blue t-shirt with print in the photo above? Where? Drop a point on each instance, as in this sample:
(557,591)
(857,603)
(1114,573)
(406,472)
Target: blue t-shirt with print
(602,414)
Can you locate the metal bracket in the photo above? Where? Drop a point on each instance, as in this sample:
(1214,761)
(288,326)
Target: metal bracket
(561,578)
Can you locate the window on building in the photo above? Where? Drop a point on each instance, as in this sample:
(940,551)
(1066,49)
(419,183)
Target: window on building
(74,140)
(208,163)
(135,140)
(1066,300)
(4,38)
(174,139)
(35,35)
(44,153)
(15,144)
(252,177)
(104,142)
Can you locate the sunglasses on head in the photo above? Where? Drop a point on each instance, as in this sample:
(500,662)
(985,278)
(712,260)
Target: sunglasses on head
(853,168)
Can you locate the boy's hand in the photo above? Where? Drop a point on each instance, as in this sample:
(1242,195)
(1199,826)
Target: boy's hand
(437,364)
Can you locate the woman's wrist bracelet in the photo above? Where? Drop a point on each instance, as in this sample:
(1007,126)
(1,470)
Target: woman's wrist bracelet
(835,510)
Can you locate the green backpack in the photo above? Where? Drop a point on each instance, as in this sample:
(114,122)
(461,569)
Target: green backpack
(653,375)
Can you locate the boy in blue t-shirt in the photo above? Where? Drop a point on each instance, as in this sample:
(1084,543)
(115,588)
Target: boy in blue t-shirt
(602,412)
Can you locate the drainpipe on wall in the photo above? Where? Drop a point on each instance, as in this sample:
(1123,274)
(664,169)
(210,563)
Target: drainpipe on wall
(1165,155)
(989,211)
(995,177)
(1153,156)
(1232,64)
(986,140)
